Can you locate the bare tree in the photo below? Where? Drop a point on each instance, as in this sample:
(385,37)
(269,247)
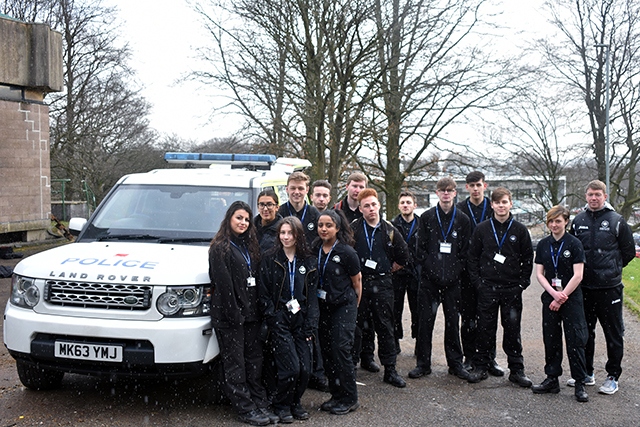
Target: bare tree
(578,62)
(299,71)
(431,76)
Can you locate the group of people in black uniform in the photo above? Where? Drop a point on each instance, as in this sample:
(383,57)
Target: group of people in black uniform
(301,291)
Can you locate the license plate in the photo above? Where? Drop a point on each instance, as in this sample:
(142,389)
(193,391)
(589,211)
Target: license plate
(81,351)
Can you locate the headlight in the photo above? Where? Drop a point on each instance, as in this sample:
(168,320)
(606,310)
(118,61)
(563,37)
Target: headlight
(24,292)
(185,301)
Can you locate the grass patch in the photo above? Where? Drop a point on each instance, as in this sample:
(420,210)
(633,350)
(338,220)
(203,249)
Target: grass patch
(631,280)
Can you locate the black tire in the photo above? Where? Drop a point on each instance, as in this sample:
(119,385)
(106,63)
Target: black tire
(36,378)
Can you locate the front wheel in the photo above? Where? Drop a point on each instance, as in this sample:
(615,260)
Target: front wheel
(36,378)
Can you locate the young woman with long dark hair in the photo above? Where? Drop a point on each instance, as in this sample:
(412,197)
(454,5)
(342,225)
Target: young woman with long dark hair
(234,257)
(288,292)
(339,291)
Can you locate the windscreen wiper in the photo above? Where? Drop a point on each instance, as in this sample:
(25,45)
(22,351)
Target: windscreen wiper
(128,237)
(185,239)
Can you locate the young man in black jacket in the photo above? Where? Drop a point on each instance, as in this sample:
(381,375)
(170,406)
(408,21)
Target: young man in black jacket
(443,244)
(608,246)
(297,189)
(407,279)
(478,208)
(500,265)
(382,251)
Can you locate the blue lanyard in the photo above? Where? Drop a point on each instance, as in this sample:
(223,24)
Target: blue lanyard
(504,236)
(304,212)
(245,255)
(413,225)
(555,257)
(370,240)
(321,279)
(484,210)
(444,236)
(292,275)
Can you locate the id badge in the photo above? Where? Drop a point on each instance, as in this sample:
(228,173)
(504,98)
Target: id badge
(293,306)
(499,258)
(556,284)
(371,264)
(445,248)
(322,294)
(251,281)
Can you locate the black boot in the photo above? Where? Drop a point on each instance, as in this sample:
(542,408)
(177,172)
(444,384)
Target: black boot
(392,377)
(549,385)
(581,394)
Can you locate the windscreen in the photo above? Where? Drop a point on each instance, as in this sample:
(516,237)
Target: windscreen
(162,211)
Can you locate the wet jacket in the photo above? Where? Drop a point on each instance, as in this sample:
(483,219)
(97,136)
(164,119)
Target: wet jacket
(608,246)
(308,216)
(388,247)
(266,234)
(438,267)
(412,268)
(518,265)
(233,302)
(343,205)
(275,289)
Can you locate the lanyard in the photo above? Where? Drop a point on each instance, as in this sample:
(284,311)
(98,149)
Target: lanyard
(245,255)
(321,270)
(453,217)
(484,210)
(504,236)
(413,225)
(292,275)
(555,257)
(304,211)
(370,240)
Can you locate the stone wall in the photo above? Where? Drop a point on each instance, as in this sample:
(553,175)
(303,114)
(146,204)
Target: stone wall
(30,67)
(25,193)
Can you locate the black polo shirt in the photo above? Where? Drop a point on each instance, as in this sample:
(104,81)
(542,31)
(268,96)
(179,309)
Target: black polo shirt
(568,251)
(335,276)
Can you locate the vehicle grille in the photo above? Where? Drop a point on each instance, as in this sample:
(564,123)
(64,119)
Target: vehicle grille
(110,296)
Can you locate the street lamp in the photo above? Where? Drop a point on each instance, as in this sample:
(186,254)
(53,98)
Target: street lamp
(608,92)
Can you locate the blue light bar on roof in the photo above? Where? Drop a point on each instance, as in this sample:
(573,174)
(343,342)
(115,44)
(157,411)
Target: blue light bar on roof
(221,158)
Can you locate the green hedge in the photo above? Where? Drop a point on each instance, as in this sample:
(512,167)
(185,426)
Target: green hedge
(631,280)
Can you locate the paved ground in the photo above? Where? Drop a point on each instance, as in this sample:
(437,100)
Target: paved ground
(439,399)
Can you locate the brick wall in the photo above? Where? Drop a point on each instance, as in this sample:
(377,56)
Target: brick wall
(25,193)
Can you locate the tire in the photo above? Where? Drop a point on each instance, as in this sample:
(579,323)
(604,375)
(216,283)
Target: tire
(36,378)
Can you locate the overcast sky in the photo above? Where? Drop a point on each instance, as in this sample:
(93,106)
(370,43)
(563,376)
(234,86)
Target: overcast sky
(163,35)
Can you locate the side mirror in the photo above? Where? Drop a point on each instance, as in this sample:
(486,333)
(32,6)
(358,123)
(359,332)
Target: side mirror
(76,225)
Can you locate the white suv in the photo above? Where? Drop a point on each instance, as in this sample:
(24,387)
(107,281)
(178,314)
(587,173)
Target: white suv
(132,295)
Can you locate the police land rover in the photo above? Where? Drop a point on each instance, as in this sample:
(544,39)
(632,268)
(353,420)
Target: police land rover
(131,297)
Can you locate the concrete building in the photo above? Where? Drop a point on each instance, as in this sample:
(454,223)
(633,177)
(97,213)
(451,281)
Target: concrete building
(30,67)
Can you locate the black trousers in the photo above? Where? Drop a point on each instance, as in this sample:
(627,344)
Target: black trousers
(508,302)
(377,296)
(571,317)
(317,366)
(430,295)
(469,318)
(292,354)
(365,338)
(241,351)
(605,306)
(405,284)
(336,330)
